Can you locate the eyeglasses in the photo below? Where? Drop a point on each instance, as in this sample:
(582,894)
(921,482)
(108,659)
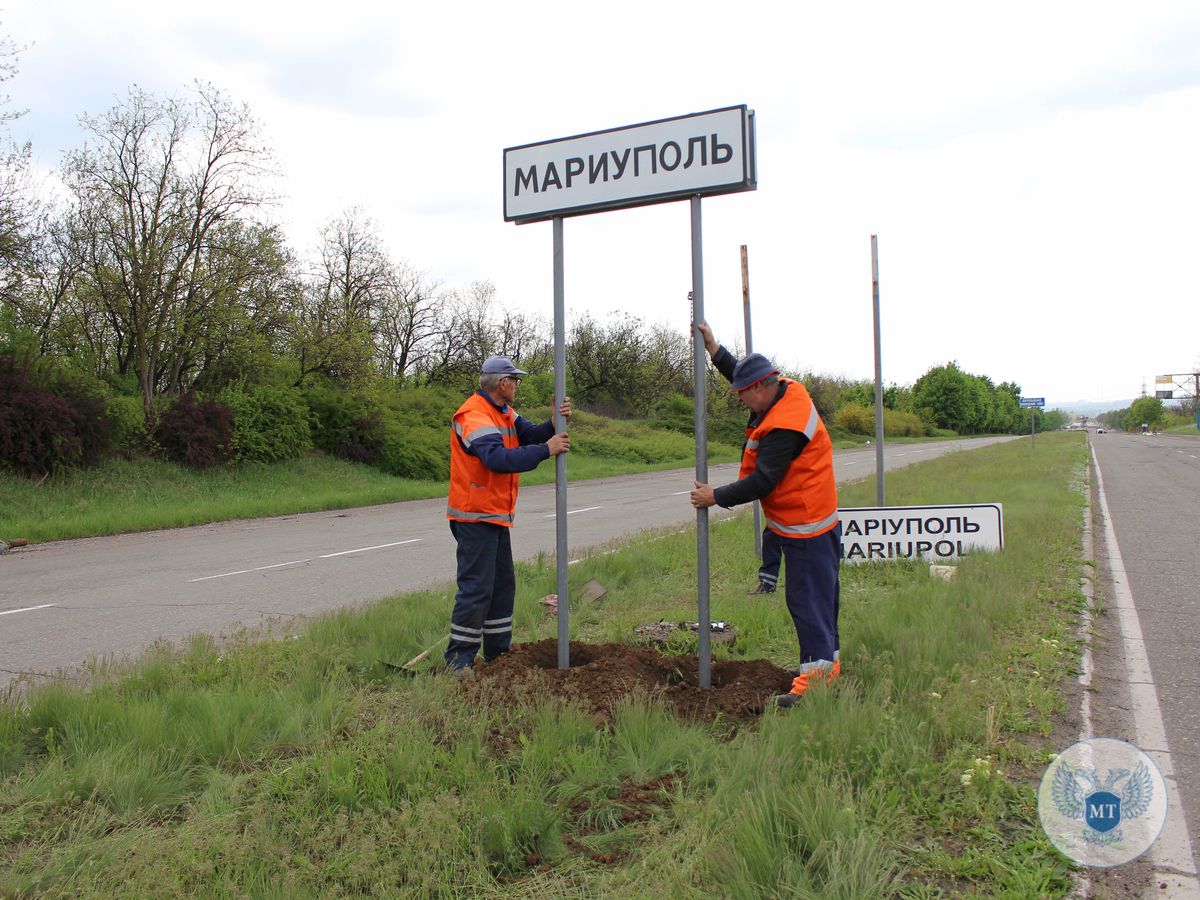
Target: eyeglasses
(511,378)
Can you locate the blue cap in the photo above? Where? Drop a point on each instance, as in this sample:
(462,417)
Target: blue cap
(750,370)
(500,365)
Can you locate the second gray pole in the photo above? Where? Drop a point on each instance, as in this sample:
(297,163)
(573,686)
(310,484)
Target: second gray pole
(560,461)
(700,380)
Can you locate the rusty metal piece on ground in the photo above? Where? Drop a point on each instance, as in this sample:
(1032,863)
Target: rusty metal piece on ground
(593,590)
(12,543)
(662,632)
(550,601)
(410,667)
(416,659)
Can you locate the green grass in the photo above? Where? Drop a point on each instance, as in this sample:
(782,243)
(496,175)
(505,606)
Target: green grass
(302,767)
(146,494)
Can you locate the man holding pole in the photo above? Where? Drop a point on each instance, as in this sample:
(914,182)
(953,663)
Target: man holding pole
(490,445)
(787,464)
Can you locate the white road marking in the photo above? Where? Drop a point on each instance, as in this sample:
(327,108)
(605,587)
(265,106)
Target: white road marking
(9,612)
(294,562)
(365,549)
(1172,852)
(571,512)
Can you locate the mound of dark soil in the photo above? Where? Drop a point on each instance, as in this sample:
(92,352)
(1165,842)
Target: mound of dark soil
(601,675)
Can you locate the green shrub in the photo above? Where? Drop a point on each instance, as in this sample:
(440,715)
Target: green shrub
(858,419)
(348,426)
(269,423)
(89,415)
(903,424)
(196,432)
(629,441)
(678,413)
(48,420)
(431,406)
(419,452)
(128,418)
(855,418)
(536,390)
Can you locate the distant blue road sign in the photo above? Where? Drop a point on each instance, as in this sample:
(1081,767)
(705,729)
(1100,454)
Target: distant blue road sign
(1028,402)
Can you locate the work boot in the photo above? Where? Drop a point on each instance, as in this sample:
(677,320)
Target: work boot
(463,673)
(787,701)
(763,588)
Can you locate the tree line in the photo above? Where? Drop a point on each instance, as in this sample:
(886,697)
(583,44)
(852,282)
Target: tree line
(155,272)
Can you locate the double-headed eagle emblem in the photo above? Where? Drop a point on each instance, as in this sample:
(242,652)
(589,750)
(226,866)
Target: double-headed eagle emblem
(1079,793)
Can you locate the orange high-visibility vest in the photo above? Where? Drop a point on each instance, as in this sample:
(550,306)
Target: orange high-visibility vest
(477,494)
(804,501)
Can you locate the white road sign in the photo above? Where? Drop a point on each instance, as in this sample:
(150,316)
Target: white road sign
(697,154)
(920,532)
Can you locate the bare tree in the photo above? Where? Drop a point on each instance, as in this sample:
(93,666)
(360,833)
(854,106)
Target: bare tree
(464,337)
(152,196)
(9,55)
(408,318)
(350,283)
(18,210)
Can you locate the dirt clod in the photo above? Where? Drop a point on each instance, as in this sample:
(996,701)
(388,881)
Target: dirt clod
(601,675)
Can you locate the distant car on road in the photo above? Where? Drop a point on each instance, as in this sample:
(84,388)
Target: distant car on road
(1099,431)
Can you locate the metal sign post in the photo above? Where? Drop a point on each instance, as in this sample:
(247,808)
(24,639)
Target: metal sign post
(685,157)
(1032,403)
(758,540)
(560,461)
(700,377)
(878,375)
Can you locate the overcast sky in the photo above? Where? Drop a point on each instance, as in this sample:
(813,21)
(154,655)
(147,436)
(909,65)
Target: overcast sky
(1030,168)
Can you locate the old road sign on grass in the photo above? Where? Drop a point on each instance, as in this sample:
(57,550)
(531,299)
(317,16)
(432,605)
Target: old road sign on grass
(700,154)
(920,532)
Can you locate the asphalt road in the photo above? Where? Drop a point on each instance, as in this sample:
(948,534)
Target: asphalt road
(1152,486)
(66,602)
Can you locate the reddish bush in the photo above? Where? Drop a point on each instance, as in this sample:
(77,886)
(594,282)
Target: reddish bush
(196,433)
(44,428)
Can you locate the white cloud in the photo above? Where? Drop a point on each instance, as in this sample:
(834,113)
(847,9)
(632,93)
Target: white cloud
(1029,168)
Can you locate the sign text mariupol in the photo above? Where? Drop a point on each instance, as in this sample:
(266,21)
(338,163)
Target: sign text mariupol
(669,159)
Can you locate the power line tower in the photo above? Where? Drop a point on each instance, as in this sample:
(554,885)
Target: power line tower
(1183,387)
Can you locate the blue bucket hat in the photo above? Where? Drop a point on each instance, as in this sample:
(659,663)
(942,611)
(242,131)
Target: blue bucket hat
(500,365)
(750,370)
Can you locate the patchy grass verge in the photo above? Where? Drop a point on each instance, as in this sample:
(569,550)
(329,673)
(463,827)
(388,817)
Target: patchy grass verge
(304,766)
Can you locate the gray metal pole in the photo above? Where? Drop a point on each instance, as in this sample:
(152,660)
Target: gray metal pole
(750,349)
(1032,428)
(700,379)
(560,461)
(878,376)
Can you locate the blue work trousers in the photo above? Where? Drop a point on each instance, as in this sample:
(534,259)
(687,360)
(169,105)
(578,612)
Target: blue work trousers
(772,553)
(813,592)
(487,586)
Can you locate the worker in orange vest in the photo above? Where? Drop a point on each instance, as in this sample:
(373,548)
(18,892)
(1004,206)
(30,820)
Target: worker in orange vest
(490,445)
(787,464)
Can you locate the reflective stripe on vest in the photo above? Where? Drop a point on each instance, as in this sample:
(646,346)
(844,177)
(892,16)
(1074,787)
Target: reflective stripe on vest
(464,516)
(810,528)
(475,435)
